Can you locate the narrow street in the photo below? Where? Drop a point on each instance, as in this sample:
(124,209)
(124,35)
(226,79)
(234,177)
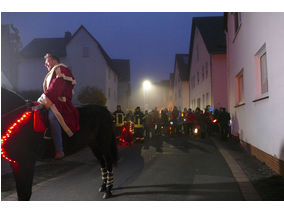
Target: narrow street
(160,169)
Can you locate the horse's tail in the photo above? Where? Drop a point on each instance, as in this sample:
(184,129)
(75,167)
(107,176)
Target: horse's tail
(112,147)
(114,152)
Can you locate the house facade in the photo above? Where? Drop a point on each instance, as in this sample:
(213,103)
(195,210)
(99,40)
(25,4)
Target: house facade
(170,104)
(122,68)
(159,94)
(10,46)
(181,82)
(255,46)
(207,63)
(82,53)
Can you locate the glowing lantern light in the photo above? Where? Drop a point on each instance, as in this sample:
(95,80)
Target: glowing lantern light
(195,131)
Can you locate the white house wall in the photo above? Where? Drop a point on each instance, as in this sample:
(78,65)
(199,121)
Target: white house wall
(122,95)
(200,56)
(258,123)
(88,71)
(219,81)
(177,88)
(111,89)
(185,94)
(31,74)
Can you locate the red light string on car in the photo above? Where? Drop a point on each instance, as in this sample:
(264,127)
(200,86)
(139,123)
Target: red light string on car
(11,131)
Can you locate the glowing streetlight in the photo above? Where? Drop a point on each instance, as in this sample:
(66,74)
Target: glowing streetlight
(146,87)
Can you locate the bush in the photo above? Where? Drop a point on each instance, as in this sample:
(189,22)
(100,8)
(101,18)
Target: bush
(92,95)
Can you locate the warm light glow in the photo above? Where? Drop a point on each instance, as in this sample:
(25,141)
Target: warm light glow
(11,130)
(195,131)
(147,85)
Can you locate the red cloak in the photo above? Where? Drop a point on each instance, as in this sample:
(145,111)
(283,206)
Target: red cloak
(58,91)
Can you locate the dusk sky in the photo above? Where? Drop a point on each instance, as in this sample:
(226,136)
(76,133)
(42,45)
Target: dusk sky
(149,40)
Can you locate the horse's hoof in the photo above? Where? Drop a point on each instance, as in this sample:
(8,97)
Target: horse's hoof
(107,195)
(102,188)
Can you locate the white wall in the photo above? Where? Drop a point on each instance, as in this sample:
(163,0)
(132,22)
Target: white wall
(88,71)
(111,86)
(258,123)
(31,74)
(185,94)
(122,95)
(177,87)
(196,66)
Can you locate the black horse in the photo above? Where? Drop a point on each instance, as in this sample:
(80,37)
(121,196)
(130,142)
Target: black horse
(23,144)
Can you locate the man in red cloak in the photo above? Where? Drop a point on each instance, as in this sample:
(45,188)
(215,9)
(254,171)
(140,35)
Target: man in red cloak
(58,90)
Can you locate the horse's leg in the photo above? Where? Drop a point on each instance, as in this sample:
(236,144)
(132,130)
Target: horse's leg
(101,160)
(23,173)
(109,183)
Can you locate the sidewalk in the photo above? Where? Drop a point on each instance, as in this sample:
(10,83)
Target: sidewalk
(268,184)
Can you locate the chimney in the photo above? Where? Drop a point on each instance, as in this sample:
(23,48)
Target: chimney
(67,36)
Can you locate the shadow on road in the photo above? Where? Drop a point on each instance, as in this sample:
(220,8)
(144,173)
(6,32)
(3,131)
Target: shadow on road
(212,191)
(183,143)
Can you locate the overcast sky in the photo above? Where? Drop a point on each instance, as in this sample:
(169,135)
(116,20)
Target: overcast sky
(149,40)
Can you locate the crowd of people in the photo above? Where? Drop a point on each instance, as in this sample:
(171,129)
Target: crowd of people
(173,122)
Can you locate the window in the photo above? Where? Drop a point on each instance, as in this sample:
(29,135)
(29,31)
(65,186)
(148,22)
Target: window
(239,88)
(85,52)
(237,21)
(206,69)
(261,71)
(263,74)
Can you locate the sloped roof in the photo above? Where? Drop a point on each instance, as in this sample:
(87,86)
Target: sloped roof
(38,47)
(107,58)
(212,32)
(122,67)
(182,62)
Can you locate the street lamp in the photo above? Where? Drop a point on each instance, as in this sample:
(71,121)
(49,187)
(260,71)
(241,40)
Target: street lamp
(146,87)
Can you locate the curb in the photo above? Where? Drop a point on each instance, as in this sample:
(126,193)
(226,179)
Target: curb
(246,187)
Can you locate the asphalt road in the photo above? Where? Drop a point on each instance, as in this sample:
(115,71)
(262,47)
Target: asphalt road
(160,169)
